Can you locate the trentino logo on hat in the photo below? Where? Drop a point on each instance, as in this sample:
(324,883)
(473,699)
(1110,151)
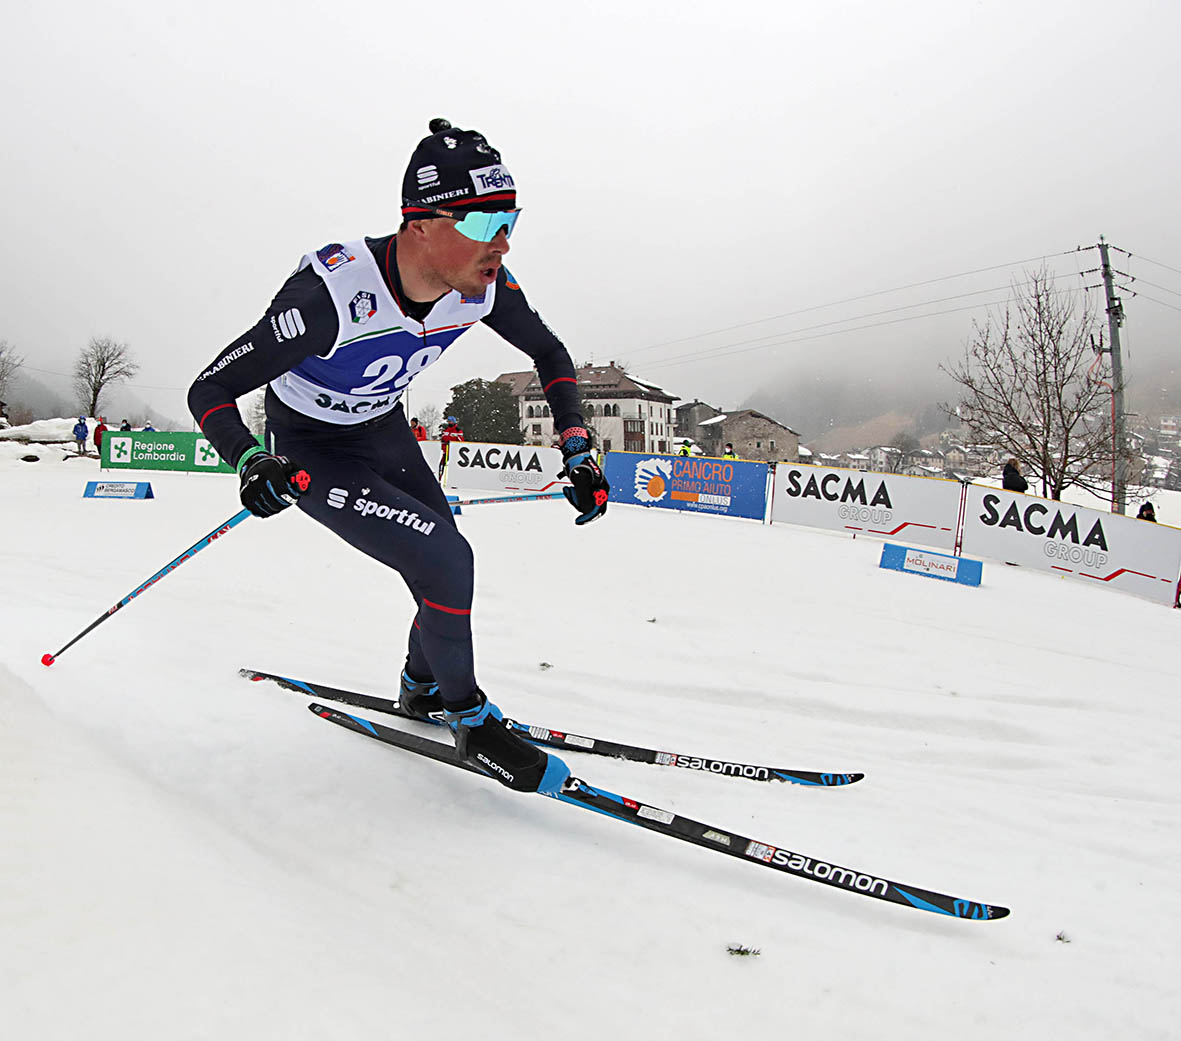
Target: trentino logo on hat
(491,179)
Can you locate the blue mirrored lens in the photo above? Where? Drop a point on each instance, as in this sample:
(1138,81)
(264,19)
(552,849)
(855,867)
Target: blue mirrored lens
(484,227)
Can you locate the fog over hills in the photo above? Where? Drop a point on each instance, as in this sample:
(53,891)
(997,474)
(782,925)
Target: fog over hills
(28,394)
(835,410)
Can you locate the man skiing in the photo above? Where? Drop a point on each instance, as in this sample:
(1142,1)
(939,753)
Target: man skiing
(340,342)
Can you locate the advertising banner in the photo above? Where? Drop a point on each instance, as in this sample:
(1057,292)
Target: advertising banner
(932,565)
(432,452)
(136,450)
(1120,552)
(509,468)
(914,509)
(118,490)
(725,487)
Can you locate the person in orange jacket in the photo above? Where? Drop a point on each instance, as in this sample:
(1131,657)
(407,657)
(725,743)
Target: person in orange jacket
(417,429)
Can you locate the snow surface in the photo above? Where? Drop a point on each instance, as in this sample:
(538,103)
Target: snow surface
(188,855)
(48,431)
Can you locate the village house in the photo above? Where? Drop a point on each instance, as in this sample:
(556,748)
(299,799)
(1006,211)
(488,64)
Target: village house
(623,413)
(884,459)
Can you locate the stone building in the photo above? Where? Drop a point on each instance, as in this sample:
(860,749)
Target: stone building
(753,434)
(698,422)
(757,436)
(624,413)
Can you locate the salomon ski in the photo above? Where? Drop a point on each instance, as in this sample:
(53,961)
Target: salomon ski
(574,743)
(721,840)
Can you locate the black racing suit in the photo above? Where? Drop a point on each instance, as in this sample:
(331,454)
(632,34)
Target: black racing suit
(370,482)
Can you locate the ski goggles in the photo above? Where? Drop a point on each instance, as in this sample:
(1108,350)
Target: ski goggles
(480,225)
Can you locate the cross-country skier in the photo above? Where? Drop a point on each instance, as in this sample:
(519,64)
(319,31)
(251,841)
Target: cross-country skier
(338,345)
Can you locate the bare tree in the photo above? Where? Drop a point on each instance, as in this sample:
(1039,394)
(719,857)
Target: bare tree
(254,414)
(101,363)
(1027,386)
(10,361)
(905,445)
(431,417)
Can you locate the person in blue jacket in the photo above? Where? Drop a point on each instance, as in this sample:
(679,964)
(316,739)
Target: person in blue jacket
(81,433)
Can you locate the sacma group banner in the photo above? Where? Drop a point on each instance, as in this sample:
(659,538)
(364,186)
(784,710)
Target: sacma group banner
(508,468)
(1119,552)
(912,509)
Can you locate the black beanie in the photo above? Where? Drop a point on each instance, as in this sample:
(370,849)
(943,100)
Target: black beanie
(455,170)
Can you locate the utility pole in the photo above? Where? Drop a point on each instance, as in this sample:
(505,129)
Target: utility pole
(1115,318)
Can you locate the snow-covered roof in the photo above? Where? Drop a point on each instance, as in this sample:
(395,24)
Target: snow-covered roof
(716,419)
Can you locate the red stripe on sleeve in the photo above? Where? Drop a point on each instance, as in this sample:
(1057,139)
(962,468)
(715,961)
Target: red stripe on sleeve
(201,424)
(560,379)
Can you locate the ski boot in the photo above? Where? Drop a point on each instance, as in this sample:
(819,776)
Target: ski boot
(484,741)
(420,699)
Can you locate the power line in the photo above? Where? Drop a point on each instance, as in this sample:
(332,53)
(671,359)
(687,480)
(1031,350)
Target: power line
(820,336)
(729,348)
(70,375)
(855,299)
(1141,256)
(791,332)
(1155,286)
(1145,296)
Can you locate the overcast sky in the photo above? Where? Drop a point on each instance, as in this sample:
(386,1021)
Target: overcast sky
(683,168)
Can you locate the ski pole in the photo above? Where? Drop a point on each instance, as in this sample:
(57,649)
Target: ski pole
(192,551)
(508,498)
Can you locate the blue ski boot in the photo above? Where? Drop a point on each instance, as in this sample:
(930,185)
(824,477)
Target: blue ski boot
(420,699)
(484,741)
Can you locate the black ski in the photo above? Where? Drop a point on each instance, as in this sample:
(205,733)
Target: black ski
(721,840)
(574,743)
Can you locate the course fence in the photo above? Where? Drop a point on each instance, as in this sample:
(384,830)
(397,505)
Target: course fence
(1123,553)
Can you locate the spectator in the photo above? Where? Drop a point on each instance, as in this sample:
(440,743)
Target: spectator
(1147,512)
(81,433)
(685,448)
(1011,479)
(451,432)
(729,453)
(417,429)
(125,425)
(149,429)
(98,434)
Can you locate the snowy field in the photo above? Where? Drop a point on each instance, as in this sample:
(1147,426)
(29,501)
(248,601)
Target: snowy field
(186,855)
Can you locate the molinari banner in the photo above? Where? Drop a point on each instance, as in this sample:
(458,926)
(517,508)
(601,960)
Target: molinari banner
(136,450)
(1120,552)
(914,509)
(509,468)
(728,487)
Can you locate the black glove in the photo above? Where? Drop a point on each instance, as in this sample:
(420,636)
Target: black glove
(590,488)
(270,483)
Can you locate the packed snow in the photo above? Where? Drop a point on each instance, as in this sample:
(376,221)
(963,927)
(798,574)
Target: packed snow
(189,855)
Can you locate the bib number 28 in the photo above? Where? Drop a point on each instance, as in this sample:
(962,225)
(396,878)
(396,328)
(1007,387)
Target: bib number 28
(383,370)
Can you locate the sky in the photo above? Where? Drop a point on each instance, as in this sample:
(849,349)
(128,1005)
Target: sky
(699,183)
(191,856)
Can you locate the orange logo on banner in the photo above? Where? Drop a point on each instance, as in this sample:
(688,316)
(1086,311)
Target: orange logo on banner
(653,477)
